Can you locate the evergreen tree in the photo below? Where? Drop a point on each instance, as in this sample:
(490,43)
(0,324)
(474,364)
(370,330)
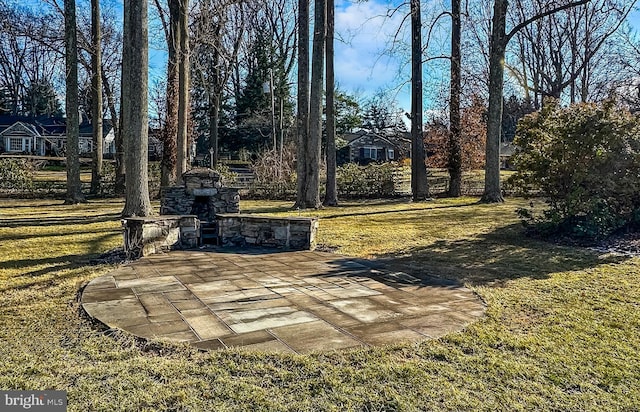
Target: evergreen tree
(253,106)
(381,115)
(348,113)
(5,101)
(41,100)
(253,101)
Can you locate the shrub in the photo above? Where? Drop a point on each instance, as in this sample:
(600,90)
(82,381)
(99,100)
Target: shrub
(585,161)
(373,180)
(274,179)
(227,176)
(16,175)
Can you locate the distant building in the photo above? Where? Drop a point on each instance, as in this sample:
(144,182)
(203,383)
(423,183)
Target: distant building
(47,136)
(364,147)
(507,150)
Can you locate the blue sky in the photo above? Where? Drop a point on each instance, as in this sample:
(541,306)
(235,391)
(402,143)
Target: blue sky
(366,61)
(363,63)
(360,67)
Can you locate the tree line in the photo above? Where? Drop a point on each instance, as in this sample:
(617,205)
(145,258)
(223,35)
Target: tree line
(242,74)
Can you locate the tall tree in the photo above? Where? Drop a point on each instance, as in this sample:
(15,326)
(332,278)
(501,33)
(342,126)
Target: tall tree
(183,90)
(135,56)
(116,121)
(497,47)
(314,143)
(419,184)
(169,133)
(455,130)
(331,192)
(74,186)
(570,54)
(302,125)
(96,97)
(218,34)
(29,61)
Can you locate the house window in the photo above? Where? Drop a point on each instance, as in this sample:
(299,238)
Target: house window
(391,154)
(370,153)
(15,145)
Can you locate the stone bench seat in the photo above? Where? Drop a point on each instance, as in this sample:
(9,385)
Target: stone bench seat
(145,236)
(156,234)
(291,233)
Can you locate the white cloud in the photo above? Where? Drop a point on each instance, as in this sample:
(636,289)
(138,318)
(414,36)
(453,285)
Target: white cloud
(363,61)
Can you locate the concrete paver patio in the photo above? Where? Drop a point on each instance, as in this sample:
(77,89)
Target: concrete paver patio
(275,301)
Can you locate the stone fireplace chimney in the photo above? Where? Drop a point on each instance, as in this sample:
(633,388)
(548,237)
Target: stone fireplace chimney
(202,195)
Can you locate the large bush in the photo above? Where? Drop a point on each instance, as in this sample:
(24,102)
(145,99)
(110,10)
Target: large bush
(16,175)
(373,180)
(585,161)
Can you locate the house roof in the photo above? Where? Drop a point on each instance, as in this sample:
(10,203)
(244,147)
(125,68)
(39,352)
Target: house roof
(51,126)
(507,149)
(29,128)
(394,140)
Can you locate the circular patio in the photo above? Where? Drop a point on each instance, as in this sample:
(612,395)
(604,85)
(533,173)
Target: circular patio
(273,301)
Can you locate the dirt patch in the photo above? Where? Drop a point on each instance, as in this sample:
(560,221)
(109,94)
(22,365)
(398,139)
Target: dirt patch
(624,244)
(112,257)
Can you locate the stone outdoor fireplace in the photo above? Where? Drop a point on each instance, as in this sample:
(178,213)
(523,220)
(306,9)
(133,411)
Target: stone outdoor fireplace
(203,211)
(202,195)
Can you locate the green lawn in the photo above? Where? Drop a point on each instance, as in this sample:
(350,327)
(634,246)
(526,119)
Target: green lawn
(562,329)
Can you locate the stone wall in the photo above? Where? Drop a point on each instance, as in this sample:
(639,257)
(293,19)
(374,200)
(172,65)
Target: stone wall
(203,201)
(148,235)
(291,233)
(176,200)
(202,195)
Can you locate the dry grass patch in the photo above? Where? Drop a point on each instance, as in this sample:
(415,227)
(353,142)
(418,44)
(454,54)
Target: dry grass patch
(561,330)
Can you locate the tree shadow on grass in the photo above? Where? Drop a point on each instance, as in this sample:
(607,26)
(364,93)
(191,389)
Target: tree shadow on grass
(49,275)
(59,221)
(14,205)
(388,212)
(426,207)
(52,264)
(23,236)
(38,270)
(494,258)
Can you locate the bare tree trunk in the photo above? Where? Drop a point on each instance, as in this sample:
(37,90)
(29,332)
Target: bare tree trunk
(455,149)
(96,97)
(170,132)
(302,125)
(214,91)
(492,192)
(419,184)
(74,186)
(331,193)
(135,56)
(214,118)
(169,136)
(314,146)
(121,167)
(183,90)
(498,43)
(117,131)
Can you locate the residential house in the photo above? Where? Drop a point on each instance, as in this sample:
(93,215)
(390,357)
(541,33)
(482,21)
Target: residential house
(507,150)
(46,136)
(365,147)
(20,137)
